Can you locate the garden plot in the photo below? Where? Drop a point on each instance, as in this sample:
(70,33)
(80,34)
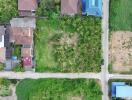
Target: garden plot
(121,51)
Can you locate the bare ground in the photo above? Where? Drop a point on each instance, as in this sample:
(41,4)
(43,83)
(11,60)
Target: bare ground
(121,51)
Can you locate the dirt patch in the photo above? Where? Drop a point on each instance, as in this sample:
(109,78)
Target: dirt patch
(70,97)
(121,51)
(69,40)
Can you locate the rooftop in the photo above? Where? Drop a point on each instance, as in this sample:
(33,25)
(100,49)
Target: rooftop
(2,30)
(124,91)
(2,54)
(23,22)
(26,52)
(27,61)
(70,7)
(92,7)
(21,36)
(28,5)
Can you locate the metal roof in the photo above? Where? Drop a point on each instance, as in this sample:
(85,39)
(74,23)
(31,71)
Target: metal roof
(114,84)
(124,91)
(92,7)
(23,22)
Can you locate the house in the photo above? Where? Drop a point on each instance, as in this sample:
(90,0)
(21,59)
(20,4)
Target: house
(21,33)
(121,90)
(23,36)
(70,7)
(2,48)
(27,7)
(92,7)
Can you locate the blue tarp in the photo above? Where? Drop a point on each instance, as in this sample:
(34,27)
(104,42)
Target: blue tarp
(114,84)
(124,91)
(92,7)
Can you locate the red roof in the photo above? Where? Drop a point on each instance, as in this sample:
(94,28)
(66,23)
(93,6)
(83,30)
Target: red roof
(27,61)
(27,5)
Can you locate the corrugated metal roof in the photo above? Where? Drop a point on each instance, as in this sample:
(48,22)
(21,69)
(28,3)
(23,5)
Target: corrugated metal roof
(23,22)
(124,91)
(114,84)
(92,7)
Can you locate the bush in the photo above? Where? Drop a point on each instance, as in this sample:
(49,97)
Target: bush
(8,9)
(4,87)
(1,66)
(48,8)
(18,68)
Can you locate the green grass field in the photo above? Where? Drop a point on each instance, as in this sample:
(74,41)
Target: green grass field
(68,44)
(120,15)
(58,89)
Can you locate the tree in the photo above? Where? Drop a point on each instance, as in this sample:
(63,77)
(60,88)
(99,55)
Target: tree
(8,9)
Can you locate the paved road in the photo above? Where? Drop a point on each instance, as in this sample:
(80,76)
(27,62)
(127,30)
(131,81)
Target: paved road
(13,75)
(120,76)
(105,28)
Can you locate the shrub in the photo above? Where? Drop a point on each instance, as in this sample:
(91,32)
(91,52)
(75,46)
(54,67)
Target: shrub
(18,68)
(8,9)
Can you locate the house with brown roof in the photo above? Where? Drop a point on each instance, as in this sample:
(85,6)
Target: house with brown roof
(27,7)
(21,33)
(23,36)
(70,7)
(2,48)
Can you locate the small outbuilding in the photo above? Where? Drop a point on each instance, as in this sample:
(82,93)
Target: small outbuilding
(121,90)
(70,7)
(23,22)
(92,7)
(27,7)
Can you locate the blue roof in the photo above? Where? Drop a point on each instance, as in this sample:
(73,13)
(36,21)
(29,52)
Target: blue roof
(114,84)
(124,91)
(92,7)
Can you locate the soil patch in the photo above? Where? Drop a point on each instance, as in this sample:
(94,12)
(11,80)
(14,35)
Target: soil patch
(121,51)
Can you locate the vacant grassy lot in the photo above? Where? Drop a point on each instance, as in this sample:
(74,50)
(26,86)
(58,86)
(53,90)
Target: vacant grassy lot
(120,15)
(58,89)
(68,44)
